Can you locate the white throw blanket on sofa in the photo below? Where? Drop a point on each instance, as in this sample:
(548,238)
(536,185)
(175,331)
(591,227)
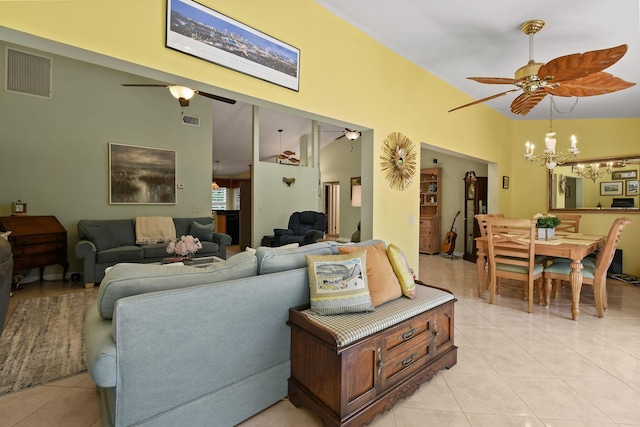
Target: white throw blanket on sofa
(154,229)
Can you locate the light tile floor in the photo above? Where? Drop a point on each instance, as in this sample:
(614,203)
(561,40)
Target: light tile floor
(514,368)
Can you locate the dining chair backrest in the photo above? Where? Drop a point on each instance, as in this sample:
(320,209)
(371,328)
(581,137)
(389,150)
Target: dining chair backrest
(511,241)
(606,253)
(511,249)
(568,223)
(482,222)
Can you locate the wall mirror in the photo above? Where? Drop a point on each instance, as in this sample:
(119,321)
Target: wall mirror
(609,184)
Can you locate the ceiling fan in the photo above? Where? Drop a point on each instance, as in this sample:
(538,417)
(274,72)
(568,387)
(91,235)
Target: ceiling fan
(578,74)
(183,94)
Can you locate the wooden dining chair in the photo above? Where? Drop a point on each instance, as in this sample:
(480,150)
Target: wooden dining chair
(511,254)
(595,275)
(569,223)
(482,222)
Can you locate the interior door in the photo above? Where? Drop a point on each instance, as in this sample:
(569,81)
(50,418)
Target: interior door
(332,207)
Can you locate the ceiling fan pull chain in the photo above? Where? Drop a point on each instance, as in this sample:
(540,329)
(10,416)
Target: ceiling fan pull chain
(555,107)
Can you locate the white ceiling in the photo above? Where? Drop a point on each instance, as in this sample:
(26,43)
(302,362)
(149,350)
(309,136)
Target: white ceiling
(456,39)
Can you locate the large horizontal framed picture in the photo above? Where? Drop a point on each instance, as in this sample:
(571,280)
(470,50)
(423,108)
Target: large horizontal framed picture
(206,34)
(141,175)
(630,174)
(611,188)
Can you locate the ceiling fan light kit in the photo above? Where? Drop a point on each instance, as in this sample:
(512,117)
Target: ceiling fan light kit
(183,94)
(578,74)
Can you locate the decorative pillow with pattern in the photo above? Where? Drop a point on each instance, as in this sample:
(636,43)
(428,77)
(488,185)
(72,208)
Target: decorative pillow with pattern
(402,270)
(383,283)
(338,283)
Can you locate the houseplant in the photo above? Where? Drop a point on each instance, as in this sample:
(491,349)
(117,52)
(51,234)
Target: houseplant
(546,225)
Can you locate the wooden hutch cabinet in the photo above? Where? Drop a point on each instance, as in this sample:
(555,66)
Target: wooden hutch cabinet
(475,194)
(430,191)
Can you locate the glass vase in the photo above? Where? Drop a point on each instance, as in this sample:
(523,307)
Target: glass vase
(188,259)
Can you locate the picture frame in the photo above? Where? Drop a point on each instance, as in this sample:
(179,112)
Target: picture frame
(505,182)
(611,188)
(141,175)
(631,188)
(231,44)
(630,174)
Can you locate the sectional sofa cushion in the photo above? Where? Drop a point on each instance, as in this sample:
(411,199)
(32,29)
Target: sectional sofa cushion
(102,236)
(127,279)
(120,254)
(338,283)
(273,260)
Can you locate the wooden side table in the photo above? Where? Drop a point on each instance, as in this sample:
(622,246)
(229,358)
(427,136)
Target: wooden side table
(36,241)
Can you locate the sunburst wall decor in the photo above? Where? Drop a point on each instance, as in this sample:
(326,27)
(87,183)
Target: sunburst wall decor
(398,160)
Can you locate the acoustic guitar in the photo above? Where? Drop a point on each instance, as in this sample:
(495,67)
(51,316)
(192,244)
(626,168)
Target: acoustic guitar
(449,242)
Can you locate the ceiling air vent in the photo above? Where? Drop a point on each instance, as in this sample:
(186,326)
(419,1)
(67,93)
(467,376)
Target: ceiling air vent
(27,73)
(190,120)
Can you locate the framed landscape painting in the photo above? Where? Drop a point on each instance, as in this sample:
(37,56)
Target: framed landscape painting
(196,30)
(611,188)
(141,175)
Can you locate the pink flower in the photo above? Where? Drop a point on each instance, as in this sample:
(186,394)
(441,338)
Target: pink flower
(186,244)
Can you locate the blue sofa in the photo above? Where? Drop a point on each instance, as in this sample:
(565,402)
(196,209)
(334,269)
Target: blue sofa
(187,346)
(104,243)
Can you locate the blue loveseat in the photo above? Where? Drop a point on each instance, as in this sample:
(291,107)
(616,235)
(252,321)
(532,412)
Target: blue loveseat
(104,243)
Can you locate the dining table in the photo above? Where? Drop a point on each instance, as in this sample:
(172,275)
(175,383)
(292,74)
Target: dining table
(574,246)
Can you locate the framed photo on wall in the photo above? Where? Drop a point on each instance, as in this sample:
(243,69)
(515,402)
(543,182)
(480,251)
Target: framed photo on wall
(632,188)
(611,188)
(141,175)
(196,30)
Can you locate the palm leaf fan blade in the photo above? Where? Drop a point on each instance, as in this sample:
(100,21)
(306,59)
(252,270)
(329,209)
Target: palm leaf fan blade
(595,84)
(578,65)
(527,101)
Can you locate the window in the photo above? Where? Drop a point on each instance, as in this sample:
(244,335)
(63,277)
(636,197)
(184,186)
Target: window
(219,199)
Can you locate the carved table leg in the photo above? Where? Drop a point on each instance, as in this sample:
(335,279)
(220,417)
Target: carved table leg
(576,287)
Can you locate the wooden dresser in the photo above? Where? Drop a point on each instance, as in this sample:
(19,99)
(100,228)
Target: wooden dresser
(348,386)
(36,241)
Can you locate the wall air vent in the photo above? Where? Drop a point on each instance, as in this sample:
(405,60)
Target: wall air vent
(27,73)
(190,120)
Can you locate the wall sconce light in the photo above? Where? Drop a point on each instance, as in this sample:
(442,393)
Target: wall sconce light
(288,181)
(356,196)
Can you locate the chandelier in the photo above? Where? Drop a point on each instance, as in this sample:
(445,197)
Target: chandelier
(549,157)
(594,172)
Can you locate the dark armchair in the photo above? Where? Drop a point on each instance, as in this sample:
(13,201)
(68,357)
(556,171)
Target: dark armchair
(304,228)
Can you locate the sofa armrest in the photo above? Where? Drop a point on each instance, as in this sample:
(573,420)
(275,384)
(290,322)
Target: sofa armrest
(223,240)
(85,248)
(100,349)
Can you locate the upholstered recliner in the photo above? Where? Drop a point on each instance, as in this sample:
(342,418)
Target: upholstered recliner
(304,228)
(6,277)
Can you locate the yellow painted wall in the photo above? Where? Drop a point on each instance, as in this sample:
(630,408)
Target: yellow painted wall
(344,75)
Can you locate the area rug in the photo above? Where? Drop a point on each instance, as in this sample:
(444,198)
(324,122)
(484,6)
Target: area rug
(43,340)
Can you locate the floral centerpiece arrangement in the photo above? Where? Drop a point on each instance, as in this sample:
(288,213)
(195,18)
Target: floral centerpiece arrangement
(546,225)
(187,246)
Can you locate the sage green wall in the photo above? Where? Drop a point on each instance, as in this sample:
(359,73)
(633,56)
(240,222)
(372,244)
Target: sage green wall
(340,161)
(55,151)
